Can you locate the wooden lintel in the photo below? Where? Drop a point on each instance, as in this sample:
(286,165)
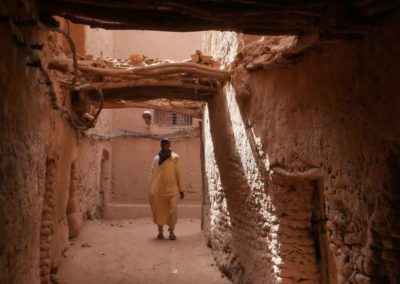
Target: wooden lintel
(260,17)
(156,70)
(190,16)
(145,93)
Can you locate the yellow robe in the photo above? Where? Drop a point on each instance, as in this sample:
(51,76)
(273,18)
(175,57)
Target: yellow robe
(165,185)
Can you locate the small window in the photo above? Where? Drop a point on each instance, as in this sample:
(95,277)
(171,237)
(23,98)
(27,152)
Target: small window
(168,118)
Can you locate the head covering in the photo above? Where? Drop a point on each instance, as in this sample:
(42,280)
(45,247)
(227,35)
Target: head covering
(164,155)
(165,141)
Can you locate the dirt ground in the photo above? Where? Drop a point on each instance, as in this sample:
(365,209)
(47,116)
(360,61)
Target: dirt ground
(127,252)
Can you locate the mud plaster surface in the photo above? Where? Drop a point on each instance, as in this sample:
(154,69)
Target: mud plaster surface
(127,252)
(335,110)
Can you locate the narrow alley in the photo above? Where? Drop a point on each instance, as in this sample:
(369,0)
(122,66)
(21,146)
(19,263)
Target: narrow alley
(207,141)
(126,252)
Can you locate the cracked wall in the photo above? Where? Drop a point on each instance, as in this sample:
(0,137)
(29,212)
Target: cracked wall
(335,111)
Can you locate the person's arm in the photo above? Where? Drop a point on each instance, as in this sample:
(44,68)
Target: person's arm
(179,179)
(152,175)
(153,168)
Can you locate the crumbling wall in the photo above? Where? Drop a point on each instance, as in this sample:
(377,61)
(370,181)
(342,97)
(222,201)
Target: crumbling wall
(307,166)
(85,184)
(37,148)
(24,112)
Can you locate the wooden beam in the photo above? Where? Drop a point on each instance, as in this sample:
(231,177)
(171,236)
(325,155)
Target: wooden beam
(267,17)
(201,9)
(155,83)
(145,93)
(372,8)
(194,17)
(195,69)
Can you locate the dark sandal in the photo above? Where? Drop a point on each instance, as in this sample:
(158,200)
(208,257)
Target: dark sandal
(172,236)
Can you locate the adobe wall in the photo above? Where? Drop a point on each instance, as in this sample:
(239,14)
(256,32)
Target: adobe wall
(37,150)
(132,156)
(303,176)
(99,42)
(134,146)
(124,185)
(154,44)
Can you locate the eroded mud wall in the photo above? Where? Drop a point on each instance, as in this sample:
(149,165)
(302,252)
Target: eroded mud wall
(303,175)
(37,148)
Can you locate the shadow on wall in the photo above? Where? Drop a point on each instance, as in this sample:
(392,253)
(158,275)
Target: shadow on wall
(77,209)
(74,219)
(105,185)
(251,241)
(262,229)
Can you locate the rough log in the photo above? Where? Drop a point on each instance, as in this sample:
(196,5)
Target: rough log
(193,15)
(262,17)
(145,93)
(201,9)
(310,174)
(371,8)
(180,87)
(195,69)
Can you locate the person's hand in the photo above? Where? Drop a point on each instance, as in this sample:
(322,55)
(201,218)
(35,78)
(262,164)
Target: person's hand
(182,194)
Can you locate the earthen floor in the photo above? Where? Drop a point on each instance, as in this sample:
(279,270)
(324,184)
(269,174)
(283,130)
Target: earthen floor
(127,252)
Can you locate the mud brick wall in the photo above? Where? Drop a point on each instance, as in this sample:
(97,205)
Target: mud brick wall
(335,112)
(37,148)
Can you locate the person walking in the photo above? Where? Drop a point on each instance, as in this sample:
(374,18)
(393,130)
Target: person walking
(166,187)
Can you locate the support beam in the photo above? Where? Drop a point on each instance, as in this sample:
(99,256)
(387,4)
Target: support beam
(247,17)
(198,70)
(262,17)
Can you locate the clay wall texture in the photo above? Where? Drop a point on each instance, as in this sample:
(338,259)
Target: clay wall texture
(38,148)
(132,156)
(99,42)
(131,163)
(129,157)
(132,159)
(336,111)
(154,44)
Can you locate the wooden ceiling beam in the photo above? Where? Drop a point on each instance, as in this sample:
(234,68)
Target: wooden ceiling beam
(244,18)
(146,93)
(263,17)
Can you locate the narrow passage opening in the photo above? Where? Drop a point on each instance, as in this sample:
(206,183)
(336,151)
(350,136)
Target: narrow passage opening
(126,141)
